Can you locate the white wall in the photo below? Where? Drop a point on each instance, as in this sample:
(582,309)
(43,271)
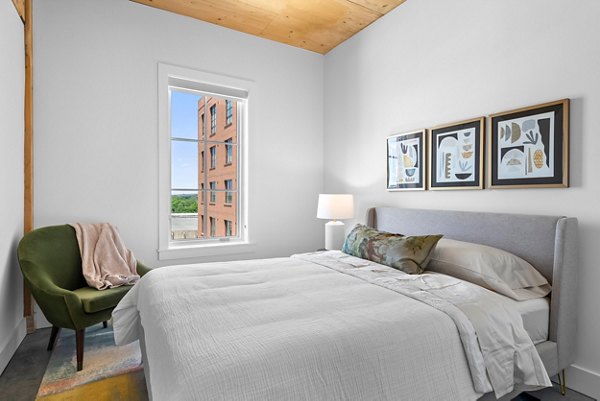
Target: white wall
(430,62)
(12,79)
(96,65)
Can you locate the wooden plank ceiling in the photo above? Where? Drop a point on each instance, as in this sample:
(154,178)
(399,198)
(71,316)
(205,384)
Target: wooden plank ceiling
(316,25)
(20,6)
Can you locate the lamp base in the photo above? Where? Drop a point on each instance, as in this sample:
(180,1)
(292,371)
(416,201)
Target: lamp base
(334,235)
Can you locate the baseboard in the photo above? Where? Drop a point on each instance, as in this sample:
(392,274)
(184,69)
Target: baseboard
(584,381)
(9,349)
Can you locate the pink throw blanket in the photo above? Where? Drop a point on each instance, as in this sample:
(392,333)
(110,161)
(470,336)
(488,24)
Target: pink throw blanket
(105,260)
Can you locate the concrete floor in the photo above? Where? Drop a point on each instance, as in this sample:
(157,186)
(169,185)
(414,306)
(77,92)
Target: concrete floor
(23,375)
(553,394)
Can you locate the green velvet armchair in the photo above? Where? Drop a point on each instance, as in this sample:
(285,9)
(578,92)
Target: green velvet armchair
(51,264)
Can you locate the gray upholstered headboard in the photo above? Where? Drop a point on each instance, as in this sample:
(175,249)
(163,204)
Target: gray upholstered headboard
(549,243)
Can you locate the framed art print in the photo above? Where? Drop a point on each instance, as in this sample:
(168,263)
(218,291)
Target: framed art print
(456,155)
(406,161)
(529,147)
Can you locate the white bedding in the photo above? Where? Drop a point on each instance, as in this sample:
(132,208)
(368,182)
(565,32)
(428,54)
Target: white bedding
(290,329)
(536,317)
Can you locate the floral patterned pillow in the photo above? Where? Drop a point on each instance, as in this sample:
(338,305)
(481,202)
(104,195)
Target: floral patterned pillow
(410,254)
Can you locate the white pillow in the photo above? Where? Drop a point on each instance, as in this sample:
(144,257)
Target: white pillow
(489,267)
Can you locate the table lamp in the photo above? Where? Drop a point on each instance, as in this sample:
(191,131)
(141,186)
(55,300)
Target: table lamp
(335,207)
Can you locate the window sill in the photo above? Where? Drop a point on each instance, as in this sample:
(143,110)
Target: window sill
(217,248)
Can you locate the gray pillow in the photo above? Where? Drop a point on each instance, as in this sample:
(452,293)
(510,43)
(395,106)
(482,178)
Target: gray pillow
(489,267)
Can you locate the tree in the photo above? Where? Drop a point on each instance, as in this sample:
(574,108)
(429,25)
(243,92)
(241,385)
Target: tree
(184,204)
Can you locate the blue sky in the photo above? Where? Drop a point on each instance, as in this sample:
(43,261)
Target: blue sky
(184,115)
(184,155)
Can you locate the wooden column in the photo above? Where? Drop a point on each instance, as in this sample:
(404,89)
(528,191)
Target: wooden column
(28,151)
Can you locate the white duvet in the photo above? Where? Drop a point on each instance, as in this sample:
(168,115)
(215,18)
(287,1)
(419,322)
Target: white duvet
(322,327)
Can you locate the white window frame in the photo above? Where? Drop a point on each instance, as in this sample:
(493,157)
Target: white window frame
(184,79)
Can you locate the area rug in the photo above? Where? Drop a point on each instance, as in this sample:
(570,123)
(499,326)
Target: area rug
(109,372)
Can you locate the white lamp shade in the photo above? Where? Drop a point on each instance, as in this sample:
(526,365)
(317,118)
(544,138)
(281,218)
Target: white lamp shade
(335,207)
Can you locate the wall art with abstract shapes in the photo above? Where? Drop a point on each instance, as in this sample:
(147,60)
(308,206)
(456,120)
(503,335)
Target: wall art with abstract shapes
(456,155)
(529,147)
(406,161)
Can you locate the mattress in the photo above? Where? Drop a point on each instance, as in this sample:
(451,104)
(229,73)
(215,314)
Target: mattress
(535,314)
(536,317)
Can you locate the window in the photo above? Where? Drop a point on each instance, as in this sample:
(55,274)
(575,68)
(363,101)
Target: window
(228,152)
(228,193)
(213,226)
(213,119)
(213,193)
(191,175)
(213,157)
(228,112)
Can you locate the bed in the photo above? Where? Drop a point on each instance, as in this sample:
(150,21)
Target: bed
(302,328)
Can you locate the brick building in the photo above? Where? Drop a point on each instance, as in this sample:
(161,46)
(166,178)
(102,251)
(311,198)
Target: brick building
(217,159)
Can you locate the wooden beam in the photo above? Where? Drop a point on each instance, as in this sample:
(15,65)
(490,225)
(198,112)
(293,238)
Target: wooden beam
(28,211)
(20,6)
(28,152)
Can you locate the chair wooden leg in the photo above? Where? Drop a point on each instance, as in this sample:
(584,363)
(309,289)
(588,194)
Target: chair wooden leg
(79,337)
(53,335)
(105,324)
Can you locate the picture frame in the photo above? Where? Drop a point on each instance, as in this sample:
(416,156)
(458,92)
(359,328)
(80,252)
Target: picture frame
(456,155)
(406,164)
(529,147)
